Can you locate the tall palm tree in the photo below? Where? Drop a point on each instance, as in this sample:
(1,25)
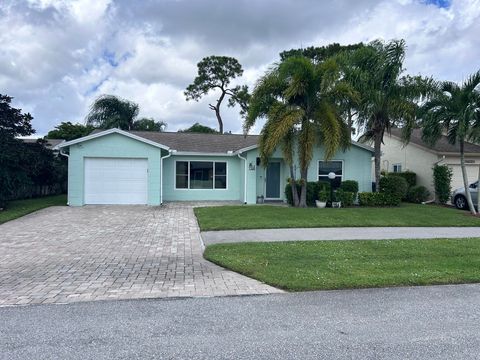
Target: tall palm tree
(109,111)
(298,99)
(388,99)
(456,110)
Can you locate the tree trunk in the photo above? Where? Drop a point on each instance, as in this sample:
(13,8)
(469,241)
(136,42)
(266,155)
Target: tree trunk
(293,185)
(478,190)
(377,154)
(350,122)
(217,112)
(303,191)
(465,179)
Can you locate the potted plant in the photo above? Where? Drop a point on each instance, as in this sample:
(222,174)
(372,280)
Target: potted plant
(322,199)
(336,203)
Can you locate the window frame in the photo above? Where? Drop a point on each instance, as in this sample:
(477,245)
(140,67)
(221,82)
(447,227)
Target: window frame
(398,165)
(325,177)
(188,188)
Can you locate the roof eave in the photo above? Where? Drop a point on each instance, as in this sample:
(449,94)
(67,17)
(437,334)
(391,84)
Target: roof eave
(111,131)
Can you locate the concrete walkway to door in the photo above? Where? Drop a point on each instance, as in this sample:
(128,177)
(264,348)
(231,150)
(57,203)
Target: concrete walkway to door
(69,254)
(342,233)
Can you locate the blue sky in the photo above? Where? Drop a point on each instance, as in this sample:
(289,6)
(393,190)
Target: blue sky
(57,56)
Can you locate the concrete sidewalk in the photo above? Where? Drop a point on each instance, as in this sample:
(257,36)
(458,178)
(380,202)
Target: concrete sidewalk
(345,233)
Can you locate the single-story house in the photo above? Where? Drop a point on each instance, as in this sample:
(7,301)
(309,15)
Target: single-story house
(419,157)
(135,167)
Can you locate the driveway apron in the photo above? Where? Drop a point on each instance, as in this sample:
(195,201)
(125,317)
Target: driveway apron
(69,254)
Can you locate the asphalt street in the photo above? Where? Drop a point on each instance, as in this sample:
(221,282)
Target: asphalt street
(436,322)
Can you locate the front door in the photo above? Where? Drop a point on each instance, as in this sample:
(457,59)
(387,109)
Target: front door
(272,186)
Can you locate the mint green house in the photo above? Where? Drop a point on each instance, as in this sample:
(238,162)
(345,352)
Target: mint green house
(120,167)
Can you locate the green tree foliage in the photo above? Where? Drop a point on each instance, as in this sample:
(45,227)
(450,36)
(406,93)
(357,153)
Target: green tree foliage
(216,73)
(22,165)
(149,124)
(109,111)
(320,54)
(442,181)
(456,110)
(68,131)
(298,98)
(199,128)
(388,99)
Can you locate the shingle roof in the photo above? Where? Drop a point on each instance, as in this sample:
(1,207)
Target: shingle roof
(50,143)
(442,145)
(196,142)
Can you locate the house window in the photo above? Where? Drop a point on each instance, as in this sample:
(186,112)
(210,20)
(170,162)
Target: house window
(397,168)
(326,167)
(201,175)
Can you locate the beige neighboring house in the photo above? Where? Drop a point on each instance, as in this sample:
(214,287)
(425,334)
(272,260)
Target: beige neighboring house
(420,158)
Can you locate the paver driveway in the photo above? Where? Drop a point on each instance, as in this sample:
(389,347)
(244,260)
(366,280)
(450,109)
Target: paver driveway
(67,254)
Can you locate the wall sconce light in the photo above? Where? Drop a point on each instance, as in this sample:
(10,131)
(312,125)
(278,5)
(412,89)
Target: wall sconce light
(251,166)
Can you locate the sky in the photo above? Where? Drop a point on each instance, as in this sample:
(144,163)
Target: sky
(57,56)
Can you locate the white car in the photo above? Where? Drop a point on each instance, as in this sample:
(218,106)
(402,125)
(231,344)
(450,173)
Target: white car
(459,199)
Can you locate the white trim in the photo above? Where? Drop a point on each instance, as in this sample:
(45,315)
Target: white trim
(326,176)
(57,147)
(248,148)
(279,161)
(188,175)
(161,174)
(112,131)
(193,153)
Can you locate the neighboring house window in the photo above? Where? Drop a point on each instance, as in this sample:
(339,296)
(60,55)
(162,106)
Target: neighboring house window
(201,175)
(397,168)
(326,167)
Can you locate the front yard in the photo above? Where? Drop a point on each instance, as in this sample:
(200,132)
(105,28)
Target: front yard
(322,265)
(18,208)
(273,217)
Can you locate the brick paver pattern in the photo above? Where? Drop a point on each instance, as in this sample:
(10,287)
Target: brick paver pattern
(69,254)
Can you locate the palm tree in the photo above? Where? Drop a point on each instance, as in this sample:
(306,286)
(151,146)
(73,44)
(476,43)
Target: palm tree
(298,100)
(109,111)
(456,110)
(387,98)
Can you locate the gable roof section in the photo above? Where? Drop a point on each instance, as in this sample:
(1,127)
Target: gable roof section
(200,143)
(442,145)
(98,134)
(190,142)
(49,143)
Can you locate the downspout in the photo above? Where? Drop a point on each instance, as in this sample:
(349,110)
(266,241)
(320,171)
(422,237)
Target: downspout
(245,180)
(161,174)
(434,197)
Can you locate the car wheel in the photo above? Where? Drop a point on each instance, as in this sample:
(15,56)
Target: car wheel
(461,202)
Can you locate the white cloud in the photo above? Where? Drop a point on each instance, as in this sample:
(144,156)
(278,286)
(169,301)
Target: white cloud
(57,56)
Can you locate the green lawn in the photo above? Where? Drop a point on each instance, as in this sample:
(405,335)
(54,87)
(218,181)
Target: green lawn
(18,208)
(266,217)
(322,265)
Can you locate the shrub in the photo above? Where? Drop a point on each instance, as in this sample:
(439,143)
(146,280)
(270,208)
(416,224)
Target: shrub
(313,189)
(409,176)
(378,199)
(442,180)
(324,196)
(349,186)
(346,197)
(418,194)
(395,186)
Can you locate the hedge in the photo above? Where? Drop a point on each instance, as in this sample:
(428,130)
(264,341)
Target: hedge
(378,199)
(442,179)
(393,185)
(409,176)
(417,194)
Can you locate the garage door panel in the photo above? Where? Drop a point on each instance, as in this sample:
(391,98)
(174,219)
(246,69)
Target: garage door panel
(457,178)
(116,181)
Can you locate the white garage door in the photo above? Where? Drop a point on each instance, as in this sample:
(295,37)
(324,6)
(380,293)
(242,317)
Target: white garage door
(116,181)
(457,178)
